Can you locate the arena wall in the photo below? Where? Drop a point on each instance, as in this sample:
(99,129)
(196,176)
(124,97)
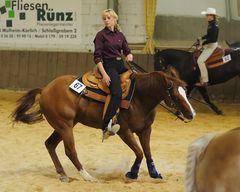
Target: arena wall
(25,67)
(179,23)
(24,70)
(30,69)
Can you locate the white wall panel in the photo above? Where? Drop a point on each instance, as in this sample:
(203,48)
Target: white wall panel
(189,7)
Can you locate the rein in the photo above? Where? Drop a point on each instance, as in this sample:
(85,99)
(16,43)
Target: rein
(175,114)
(204,103)
(174,103)
(135,67)
(195,44)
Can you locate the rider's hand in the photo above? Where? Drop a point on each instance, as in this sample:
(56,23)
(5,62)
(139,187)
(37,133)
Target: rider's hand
(129,58)
(106,79)
(199,38)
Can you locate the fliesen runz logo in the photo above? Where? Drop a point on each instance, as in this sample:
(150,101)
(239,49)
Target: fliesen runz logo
(8,9)
(16,9)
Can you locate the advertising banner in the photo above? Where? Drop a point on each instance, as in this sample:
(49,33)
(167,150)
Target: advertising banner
(40,23)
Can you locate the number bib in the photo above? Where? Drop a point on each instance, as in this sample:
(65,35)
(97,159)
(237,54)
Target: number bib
(77,86)
(227,58)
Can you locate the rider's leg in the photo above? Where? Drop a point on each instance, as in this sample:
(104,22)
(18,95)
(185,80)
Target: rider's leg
(207,52)
(116,94)
(202,66)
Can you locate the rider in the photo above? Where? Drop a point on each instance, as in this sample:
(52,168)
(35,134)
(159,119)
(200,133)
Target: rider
(109,44)
(209,45)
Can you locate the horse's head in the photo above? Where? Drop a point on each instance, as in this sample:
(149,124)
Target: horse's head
(159,61)
(175,97)
(233,45)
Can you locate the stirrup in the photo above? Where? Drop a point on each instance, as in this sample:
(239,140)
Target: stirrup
(201,84)
(110,131)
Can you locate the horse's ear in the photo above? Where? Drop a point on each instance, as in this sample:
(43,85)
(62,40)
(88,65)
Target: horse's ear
(172,72)
(184,83)
(170,76)
(156,50)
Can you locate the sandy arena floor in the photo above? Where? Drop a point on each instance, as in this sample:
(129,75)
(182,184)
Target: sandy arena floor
(25,165)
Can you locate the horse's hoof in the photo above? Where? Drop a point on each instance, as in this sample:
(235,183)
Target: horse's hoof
(178,113)
(156,176)
(219,112)
(131,175)
(64,179)
(86,176)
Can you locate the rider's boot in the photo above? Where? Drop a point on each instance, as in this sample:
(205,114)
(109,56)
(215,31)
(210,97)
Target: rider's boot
(110,130)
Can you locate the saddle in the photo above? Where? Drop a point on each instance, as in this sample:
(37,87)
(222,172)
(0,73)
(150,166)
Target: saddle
(93,79)
(99,91)
(219,57)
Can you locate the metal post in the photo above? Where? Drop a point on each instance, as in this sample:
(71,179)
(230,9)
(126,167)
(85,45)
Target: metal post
(113,4)
(228,10)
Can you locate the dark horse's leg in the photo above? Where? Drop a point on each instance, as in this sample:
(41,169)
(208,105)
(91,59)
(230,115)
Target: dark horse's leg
(128,137)
(204,93)
(144,138)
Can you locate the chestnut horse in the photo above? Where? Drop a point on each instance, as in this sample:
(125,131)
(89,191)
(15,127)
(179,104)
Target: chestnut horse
(213,163)
(63,109)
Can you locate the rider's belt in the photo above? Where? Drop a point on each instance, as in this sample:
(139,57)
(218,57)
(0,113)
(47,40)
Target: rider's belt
(113,59)
(118,58)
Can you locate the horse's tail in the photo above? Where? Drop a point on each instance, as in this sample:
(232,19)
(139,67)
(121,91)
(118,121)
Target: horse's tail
(25,103)
(194,151)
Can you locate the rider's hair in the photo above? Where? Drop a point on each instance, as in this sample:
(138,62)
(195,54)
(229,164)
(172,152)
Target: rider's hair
(112,13)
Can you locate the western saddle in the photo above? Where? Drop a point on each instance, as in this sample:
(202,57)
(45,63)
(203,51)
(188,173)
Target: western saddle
(215,60)
(93,80)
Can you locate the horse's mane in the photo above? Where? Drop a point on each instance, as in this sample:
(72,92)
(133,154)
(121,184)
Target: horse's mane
(174,79)
(150,76)
(171,51)
(194,151)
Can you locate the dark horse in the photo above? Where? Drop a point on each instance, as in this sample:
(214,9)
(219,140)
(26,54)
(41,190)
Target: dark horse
(183,62)
(63,109)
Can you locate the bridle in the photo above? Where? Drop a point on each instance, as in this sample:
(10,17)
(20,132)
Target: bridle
(174,102)
(169,95)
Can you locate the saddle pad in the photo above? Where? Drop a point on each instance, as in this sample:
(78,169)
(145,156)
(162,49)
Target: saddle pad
(217,59)
(99,95)
(225,59)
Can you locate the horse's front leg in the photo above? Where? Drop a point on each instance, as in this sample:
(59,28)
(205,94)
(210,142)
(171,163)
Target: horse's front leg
(144,138)
(128,138)
(204,93)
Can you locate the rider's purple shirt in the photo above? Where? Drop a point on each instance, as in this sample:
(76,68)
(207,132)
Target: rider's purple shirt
(109,44)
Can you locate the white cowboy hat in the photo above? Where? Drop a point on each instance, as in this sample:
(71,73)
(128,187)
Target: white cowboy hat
(209,11)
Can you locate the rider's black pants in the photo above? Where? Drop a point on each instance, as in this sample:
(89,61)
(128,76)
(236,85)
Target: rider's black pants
(113,68)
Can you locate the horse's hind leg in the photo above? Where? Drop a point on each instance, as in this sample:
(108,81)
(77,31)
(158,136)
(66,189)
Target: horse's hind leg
(206,98)
(51,144)
(67,137)
(70,151)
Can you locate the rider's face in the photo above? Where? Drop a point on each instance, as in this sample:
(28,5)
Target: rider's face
(210,17)
(109,21)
